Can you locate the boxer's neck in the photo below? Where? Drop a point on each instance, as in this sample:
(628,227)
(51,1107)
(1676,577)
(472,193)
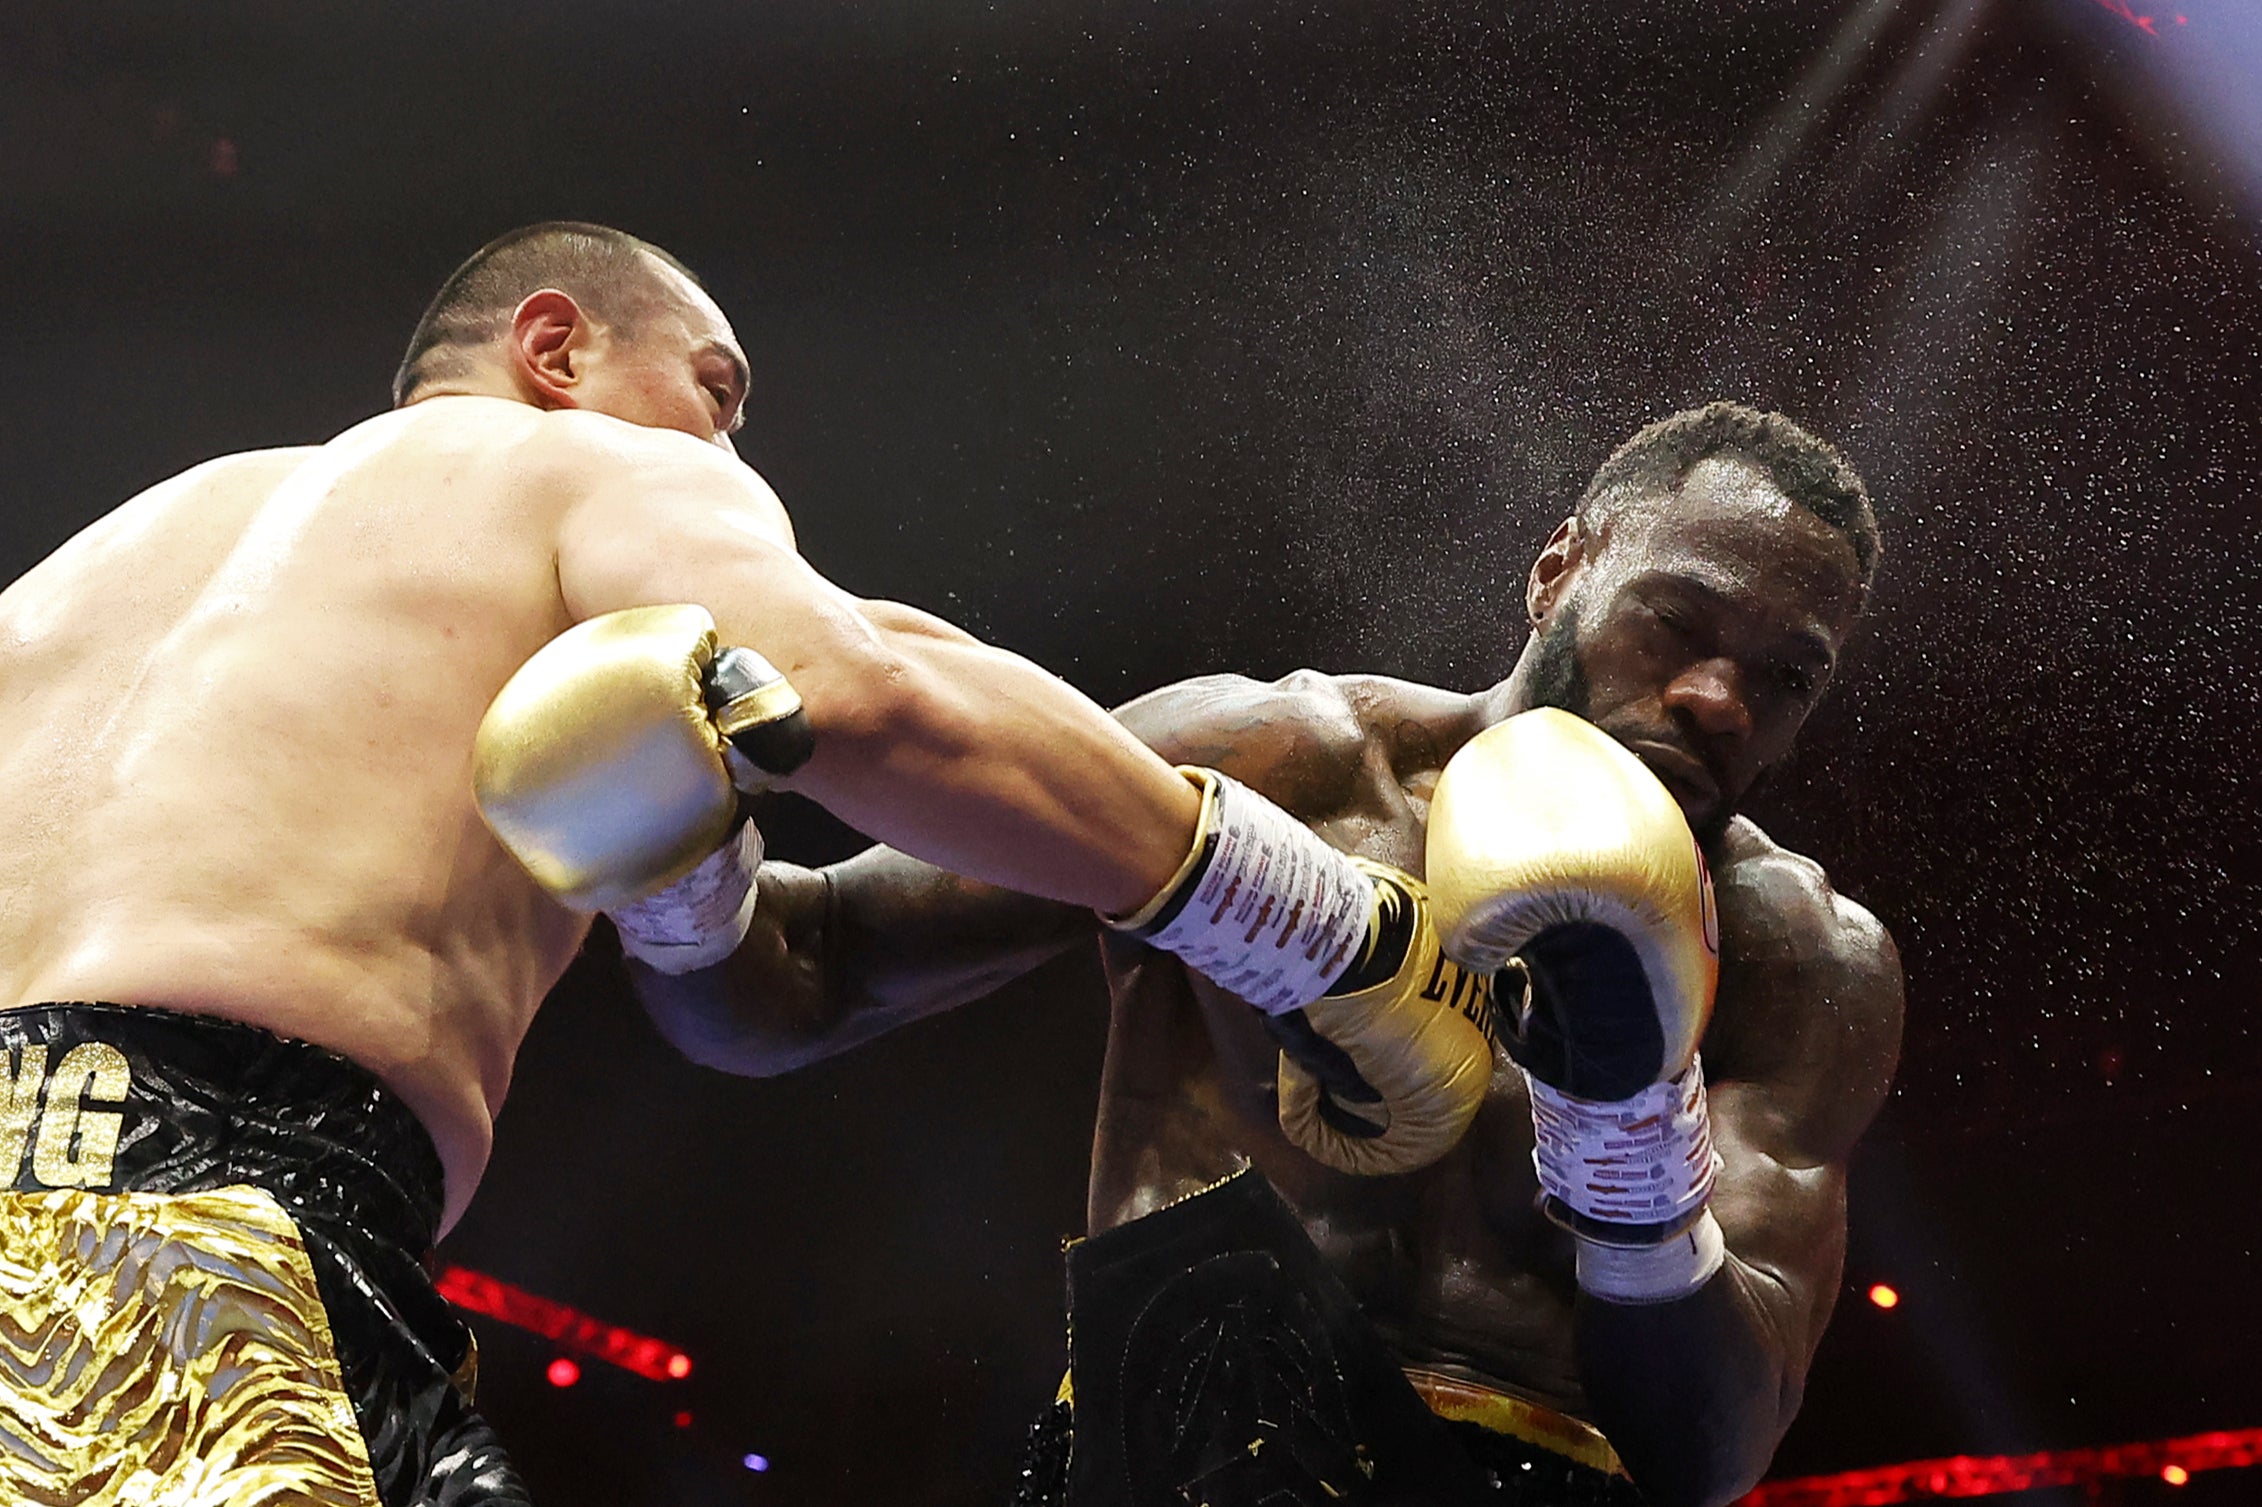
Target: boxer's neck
(1514,694)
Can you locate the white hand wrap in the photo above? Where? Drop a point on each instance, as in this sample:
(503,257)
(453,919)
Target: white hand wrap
(700,919)
(1275,914)
(1654,1273)
(1647,1160)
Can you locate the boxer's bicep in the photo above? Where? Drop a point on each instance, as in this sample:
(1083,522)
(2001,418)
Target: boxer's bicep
(1786,1116)
(1784,1223)
(876,679)
(894,617)
(686,523)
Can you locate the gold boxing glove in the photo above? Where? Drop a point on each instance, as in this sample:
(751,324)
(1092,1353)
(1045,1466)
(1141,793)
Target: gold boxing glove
(1557,858)
(610,766)
(1386,1077)
(1555,853)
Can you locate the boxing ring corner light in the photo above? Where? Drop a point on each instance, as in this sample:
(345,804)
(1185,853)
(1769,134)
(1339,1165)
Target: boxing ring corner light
(568,1327)
(1884,1297)
(756,1463)
(563,1372)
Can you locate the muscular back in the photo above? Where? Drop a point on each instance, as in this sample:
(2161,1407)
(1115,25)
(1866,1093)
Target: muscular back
(235,750)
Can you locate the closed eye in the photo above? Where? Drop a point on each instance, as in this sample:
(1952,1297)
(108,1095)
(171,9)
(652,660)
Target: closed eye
(1671,617)
(725,379)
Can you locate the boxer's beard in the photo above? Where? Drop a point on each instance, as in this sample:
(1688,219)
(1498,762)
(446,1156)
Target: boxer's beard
(1559,680)
(1557,677)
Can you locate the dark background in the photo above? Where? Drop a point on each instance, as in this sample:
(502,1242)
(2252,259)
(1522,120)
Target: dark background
(1155,338)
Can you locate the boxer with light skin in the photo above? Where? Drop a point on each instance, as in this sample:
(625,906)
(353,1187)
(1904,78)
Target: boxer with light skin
(1693,608)
(245,712)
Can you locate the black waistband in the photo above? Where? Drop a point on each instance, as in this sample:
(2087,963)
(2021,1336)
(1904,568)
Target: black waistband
(131,1099)
(1210,1344)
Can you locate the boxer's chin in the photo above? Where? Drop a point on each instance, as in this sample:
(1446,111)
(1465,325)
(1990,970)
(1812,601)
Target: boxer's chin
(1705,805)
(1557,678)
(1711,826)
(1706,808)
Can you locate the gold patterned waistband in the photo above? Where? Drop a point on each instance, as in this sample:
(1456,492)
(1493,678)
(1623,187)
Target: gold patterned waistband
(1460,1401)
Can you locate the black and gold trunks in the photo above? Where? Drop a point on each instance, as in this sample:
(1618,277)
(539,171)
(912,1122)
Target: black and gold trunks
(214,1289)
(1216,1361)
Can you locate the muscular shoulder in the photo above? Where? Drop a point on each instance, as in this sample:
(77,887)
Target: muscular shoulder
(642,499)
(1810,989)
(188,514)
(1787,908)
(1307,739)
(247,475)
(608,468)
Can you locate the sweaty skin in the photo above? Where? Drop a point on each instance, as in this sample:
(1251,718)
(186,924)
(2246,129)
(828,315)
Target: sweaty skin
(237,713)
(1695,651)
(235,768)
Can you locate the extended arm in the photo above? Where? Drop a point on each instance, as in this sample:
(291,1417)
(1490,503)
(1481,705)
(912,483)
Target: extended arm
(1696,1393)
(840,955)
(927,739)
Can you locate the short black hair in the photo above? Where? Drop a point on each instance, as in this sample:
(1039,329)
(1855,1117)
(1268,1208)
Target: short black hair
(601,268)
(1808,470)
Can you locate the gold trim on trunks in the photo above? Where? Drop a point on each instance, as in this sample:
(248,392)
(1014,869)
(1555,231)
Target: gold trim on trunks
(168,1348)
(465,1377)
(1460,1401)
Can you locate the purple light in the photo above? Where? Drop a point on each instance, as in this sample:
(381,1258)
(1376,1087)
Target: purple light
(756,1462)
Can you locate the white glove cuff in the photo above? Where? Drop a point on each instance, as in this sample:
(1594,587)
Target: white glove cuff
(1647,1160)
(700,919)
(1274,914)
(1653,1273)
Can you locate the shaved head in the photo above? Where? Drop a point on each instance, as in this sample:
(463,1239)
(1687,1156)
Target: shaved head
(613,275)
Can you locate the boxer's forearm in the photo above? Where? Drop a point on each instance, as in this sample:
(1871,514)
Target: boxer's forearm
(840,955)
(978,761)
(774,1004)
(1695,1394)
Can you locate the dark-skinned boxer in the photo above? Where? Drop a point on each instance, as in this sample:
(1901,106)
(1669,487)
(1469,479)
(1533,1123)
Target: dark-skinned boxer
(1575,1301)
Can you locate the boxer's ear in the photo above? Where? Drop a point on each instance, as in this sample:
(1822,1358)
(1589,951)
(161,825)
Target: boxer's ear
(1557,566)
(549,347)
